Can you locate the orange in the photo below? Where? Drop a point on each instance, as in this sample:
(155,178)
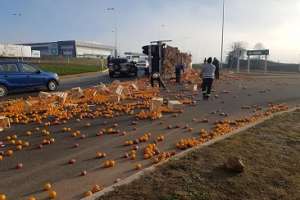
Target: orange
(88,193)
(9,153)
(28,133)
(2,197)
(19,147)
(96,188)
(52,194)
(138,166)
(47,186)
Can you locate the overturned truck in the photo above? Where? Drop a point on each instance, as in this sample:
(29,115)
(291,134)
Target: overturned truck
(164,58)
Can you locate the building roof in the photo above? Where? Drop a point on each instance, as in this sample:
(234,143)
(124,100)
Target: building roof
(77,42)
(93,45)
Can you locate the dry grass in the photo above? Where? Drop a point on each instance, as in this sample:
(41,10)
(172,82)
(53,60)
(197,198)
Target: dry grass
(270,151)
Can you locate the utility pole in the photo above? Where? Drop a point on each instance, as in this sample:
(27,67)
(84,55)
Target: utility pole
(299,66)
(222,40)
(115,30)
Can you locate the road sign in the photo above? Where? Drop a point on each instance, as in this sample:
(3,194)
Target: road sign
(258,52)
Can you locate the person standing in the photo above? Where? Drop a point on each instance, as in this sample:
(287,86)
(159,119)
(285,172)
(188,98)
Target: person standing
(216,63)
(155,77)
(208,76)
(178,69)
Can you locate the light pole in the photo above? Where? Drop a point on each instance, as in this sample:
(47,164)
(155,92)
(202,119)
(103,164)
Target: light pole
(299,66)
(222,40)
(115,30)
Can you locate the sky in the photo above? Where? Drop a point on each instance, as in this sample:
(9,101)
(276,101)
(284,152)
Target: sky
(192,25)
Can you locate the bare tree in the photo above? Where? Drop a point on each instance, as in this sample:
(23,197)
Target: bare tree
(259,46)
(237,51)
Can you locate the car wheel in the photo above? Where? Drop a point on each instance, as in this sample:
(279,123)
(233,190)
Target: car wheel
(3,91)
(52,85)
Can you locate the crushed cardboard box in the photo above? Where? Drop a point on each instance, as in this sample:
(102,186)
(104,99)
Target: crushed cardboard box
(174,105)
(76,92)
(61,96)
(44,95)
(4,123)
(102,88)
(156,103)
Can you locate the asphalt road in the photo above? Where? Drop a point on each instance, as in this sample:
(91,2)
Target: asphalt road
(71,81)
(50,164)
(68,82)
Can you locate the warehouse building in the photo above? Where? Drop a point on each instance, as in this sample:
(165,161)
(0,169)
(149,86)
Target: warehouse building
(73,48)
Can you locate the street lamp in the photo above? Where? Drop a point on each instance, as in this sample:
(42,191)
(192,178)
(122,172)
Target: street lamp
(115,29)
(222,40)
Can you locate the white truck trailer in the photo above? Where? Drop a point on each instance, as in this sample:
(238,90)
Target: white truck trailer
(16,51)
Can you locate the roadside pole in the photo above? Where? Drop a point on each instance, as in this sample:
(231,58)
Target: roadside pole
(248,64)
(150,58)
(238,65)
(299,67)
(266,64)
(222,40)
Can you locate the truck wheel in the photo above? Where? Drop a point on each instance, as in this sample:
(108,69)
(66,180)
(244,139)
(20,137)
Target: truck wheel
(52,85)
(3,91)
(111,74)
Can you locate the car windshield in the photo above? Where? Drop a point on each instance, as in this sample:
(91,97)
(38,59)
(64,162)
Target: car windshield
(119,60)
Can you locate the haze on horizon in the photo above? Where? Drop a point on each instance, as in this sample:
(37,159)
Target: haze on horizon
(193,25)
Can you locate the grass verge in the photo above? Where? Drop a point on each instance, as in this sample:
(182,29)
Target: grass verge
(270,152)
(68,69)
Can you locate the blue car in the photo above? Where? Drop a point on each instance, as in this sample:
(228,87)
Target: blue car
(20,76)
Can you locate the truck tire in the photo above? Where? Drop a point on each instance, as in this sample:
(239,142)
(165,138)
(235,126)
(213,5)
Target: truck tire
(3,91)
(52,85)
(135,73)
(111,74)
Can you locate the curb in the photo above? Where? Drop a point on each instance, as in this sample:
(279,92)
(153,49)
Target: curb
(182,154)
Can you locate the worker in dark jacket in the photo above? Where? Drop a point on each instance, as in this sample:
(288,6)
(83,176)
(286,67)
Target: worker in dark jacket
(178,69)
(216,63)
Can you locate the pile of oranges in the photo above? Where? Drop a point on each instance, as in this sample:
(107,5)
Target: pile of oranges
(150,151)
(109,163)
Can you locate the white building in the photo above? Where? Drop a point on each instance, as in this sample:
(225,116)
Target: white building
(73,48)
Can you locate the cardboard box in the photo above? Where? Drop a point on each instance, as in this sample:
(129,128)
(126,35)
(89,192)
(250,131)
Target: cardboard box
(27,106)
(44,95)
(76,92)
(156,103)
(195,88)
(61,96)
(174,105)
(115,98)
(119,90)
(134,86)
(4,123)
(101,88)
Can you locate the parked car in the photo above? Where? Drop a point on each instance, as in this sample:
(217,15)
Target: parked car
(144,65)
(121,66)
(20,76)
